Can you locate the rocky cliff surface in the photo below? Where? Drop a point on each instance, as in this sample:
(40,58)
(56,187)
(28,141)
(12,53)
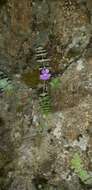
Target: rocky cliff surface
(51,152)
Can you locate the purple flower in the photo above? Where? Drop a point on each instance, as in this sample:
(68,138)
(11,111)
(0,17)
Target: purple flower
(45,74)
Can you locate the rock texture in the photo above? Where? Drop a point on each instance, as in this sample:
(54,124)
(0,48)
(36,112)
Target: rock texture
(36,150)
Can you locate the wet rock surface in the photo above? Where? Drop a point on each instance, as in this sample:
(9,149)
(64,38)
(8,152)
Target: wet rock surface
(36,150)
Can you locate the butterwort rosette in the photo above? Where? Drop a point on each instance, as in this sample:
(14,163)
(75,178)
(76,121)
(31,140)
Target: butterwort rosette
(45,74)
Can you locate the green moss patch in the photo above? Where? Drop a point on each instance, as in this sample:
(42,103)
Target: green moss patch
(31,78)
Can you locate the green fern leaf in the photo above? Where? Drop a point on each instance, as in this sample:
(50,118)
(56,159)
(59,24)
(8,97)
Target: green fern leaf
(45,103)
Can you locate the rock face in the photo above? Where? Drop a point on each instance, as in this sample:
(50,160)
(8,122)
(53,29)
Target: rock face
(15,22)
(51,152)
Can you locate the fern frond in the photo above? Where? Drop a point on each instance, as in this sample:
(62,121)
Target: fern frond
(41,57)
(45,103)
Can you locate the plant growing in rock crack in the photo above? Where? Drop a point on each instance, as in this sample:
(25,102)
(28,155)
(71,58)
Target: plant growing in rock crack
(43,63)
(55,83)
(45,74)
(44,98)
(77,165)
(5,84)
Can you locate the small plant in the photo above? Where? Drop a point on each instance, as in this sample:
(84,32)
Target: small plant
(77,165)
(55,83)
(45,75)
(44,98)
(5,86)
